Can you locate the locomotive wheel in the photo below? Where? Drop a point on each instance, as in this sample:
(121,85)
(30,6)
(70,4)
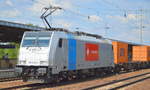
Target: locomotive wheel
(24,79)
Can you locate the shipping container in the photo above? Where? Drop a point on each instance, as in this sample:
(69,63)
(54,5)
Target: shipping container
(141,53)
(120,52)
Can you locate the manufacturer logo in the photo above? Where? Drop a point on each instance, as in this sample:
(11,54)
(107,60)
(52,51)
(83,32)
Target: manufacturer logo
(92,52)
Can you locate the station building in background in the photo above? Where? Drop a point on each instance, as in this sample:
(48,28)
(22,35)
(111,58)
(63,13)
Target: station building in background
(10,37)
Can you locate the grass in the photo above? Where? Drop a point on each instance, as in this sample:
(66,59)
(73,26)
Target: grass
(12,52)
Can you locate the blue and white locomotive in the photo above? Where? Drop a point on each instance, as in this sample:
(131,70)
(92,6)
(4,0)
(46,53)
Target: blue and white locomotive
(50,56)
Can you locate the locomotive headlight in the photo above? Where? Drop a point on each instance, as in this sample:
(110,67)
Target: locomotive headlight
(22,62)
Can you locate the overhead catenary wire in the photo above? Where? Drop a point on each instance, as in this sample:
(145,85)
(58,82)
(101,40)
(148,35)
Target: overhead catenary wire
(107,2)
(75,12)
(69,10)
(110,3)
(39,1)
(118,9)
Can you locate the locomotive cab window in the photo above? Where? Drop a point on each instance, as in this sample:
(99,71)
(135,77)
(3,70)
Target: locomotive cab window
(36,40)
(60,42)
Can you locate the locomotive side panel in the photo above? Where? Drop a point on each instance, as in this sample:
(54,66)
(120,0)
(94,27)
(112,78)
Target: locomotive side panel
(102,56)
(61,56)
(76,54)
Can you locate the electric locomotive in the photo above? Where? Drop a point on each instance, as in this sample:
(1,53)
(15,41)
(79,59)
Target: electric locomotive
(49,56)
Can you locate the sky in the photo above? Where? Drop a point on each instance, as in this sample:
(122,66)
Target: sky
(116,19)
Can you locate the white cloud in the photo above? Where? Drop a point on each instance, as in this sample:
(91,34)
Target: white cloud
(132,35)
(125,19)
(9,3)
(132,16)
(66,4)
(63,23)
(94,18)
(9,13)
(40,4)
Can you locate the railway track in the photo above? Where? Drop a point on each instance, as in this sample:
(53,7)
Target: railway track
(87,84)
(122,83)
(9,79)
(8,75)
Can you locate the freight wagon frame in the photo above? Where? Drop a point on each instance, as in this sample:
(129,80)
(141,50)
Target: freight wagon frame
(128,56)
